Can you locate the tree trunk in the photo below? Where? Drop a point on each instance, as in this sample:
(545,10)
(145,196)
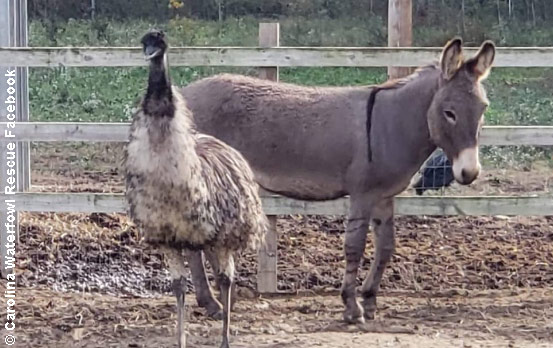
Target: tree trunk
(498,12)
(463,16)
(533,14)
(92,9)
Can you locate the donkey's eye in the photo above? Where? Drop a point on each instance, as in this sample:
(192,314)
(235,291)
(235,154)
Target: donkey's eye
(450,116)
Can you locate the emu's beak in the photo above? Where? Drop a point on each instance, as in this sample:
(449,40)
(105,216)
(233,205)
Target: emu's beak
(151,52)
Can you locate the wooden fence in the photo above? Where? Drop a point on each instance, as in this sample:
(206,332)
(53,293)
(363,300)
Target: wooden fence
(261,56)
(269,56)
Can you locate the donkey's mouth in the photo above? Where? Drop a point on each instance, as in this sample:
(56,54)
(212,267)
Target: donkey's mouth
(466,177)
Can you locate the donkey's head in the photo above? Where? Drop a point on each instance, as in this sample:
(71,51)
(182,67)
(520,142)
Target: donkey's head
(456,113)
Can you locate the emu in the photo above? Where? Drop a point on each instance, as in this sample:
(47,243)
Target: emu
(366,142)
(188,191)
(435,174)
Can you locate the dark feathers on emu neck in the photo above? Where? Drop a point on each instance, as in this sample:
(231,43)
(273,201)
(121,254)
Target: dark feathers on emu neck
(158,100)
(436,173)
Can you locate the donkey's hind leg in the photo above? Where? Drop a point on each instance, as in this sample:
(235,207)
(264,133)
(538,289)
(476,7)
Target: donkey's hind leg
(384,240)
(204,295)
(354,246)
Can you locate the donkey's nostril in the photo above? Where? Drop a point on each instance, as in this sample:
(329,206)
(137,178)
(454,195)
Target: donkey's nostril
(464,175)
(468,176)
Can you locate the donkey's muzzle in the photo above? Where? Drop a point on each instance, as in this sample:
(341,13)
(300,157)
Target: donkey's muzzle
(466,166)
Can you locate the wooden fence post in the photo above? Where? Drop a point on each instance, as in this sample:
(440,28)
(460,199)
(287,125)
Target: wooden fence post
(13,33)
(400,31)
(267,257)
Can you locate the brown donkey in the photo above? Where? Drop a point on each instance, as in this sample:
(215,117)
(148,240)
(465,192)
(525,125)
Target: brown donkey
(365,142)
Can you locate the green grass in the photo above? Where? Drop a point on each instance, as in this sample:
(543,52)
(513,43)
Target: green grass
(518,96)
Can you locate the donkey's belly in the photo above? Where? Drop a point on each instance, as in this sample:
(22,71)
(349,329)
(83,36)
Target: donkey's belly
(299,187)
(295,174)
(293,170)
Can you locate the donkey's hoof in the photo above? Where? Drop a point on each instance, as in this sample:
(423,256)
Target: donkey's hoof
(355,320)
(214,310)
(354,314)
(369,315)
(369,307)
(216,314)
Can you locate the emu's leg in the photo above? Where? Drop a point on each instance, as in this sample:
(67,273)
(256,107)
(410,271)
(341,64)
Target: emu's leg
(175,260)
(354,246)
(224,264)
(204,295)
(232,294)
(383,223)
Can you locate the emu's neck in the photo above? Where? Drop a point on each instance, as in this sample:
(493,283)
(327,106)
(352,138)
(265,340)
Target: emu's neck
(159,96)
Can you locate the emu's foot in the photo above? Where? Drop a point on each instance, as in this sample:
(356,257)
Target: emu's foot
(369,307)
(353,314)
(225,343)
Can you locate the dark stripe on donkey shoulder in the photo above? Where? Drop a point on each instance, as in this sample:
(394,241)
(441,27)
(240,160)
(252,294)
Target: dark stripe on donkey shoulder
(370,107)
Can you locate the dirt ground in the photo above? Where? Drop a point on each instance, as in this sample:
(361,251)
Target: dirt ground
(87,280)
(498,318)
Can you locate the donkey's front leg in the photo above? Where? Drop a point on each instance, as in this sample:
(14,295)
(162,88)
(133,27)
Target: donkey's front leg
(354,246)
(384,240)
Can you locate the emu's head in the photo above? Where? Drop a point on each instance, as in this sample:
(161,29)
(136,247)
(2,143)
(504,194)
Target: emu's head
(154,44)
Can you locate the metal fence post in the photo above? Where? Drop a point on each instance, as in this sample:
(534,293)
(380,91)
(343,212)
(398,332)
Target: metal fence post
(13,33)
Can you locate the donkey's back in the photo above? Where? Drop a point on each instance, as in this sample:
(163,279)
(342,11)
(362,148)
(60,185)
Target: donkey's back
(300,141)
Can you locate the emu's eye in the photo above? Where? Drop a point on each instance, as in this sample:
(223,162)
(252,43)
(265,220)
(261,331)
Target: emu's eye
(450,116)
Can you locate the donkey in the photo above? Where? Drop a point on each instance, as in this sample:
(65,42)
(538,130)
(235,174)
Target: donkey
(365,142)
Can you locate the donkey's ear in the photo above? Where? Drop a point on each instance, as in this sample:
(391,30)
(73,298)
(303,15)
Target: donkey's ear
(481,64)
(452,57)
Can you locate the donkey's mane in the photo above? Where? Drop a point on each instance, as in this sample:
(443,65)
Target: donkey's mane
(400,82)
(390,84)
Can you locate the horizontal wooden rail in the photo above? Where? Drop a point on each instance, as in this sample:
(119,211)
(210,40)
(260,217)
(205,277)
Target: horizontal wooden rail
(277,205)
(262,57)
(118,132)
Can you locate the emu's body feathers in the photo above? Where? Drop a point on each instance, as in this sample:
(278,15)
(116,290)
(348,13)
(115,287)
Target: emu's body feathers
(190,190)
